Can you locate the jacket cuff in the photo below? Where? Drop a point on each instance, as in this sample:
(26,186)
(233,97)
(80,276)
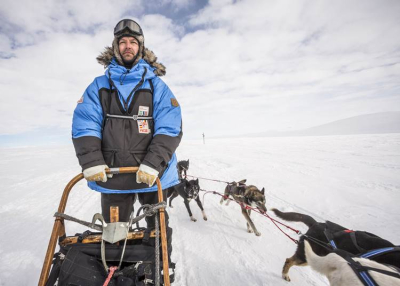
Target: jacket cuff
(153,161)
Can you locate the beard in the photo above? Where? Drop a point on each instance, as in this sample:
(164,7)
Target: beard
(129,60)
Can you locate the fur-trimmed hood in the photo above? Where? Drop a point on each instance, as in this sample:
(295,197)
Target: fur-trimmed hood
(108,54)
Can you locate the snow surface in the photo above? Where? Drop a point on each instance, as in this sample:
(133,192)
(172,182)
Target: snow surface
(352,180)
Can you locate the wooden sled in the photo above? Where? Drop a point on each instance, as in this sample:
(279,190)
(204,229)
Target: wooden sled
(58,232)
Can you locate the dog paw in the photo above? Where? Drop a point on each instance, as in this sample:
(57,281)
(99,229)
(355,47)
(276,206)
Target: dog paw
(193,219)
(286,277)
(249,230)
(171,207)
(258,233)
(204,217)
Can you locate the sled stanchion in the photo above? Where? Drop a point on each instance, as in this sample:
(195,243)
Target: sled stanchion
(58,227)
(163,236)
(58,230)
(114,214)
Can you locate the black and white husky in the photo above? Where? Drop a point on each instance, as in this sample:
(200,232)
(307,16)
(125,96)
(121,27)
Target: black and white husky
(188,190)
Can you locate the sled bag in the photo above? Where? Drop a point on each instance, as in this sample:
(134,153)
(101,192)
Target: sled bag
(82,266)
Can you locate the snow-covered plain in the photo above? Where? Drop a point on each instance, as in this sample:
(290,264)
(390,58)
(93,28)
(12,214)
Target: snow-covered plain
(353,180)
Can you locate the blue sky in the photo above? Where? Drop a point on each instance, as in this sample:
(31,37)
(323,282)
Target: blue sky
(235,66)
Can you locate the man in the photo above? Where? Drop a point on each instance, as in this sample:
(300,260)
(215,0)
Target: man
(128,117)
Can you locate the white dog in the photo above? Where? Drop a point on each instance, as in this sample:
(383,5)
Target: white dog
(339,272)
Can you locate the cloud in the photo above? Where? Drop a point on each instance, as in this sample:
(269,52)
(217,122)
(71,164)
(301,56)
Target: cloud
(234,66)
(289,61)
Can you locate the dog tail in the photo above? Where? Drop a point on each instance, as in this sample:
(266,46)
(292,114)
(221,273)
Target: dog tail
(290,216)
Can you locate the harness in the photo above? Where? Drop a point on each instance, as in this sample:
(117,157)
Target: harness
(239,191)
(363,253)
(360,270)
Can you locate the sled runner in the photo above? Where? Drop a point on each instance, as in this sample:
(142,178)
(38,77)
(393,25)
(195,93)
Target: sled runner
(115,253)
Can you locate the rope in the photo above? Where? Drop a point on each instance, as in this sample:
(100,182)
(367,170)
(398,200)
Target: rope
(274,221)
(326,245)
(219,181)
(149,210)
(110,275)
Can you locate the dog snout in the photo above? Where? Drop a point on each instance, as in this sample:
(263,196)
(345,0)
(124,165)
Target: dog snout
(262,208)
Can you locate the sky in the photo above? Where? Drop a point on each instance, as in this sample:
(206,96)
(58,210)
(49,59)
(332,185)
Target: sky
(236,67)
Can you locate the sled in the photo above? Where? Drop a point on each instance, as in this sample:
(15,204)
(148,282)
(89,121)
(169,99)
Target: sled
(88,243)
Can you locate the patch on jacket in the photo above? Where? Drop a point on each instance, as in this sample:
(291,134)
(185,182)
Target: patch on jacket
(174,102)
(80,100)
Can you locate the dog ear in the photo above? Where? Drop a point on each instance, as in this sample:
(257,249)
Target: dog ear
(242,182)
(263,191)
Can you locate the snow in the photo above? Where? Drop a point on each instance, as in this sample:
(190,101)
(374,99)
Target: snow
(352,180)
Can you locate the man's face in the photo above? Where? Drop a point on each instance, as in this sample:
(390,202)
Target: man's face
(128,48)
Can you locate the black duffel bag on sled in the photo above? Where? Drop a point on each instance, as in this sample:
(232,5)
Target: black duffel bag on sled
(81,264)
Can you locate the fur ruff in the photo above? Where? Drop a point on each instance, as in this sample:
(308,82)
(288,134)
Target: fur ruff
(110,52)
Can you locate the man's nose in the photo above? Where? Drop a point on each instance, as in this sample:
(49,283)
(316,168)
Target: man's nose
(129,46)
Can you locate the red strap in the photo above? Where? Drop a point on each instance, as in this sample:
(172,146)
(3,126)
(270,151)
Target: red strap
(348,230)
(110,274)
(274,221)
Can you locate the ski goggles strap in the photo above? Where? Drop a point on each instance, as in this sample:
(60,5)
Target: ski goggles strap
(128,24)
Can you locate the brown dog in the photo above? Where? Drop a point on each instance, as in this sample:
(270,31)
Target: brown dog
(246,195)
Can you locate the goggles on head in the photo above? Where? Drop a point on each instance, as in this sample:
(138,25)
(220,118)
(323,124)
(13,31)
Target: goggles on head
(128,24)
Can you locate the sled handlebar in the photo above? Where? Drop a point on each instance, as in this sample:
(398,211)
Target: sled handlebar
(59,228)
(122,170)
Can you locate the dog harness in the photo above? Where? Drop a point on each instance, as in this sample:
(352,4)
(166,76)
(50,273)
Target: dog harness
(380,251)
(239,191)
(360,270)
(363,253)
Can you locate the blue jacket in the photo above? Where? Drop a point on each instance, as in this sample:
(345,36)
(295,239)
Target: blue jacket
(88,120)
